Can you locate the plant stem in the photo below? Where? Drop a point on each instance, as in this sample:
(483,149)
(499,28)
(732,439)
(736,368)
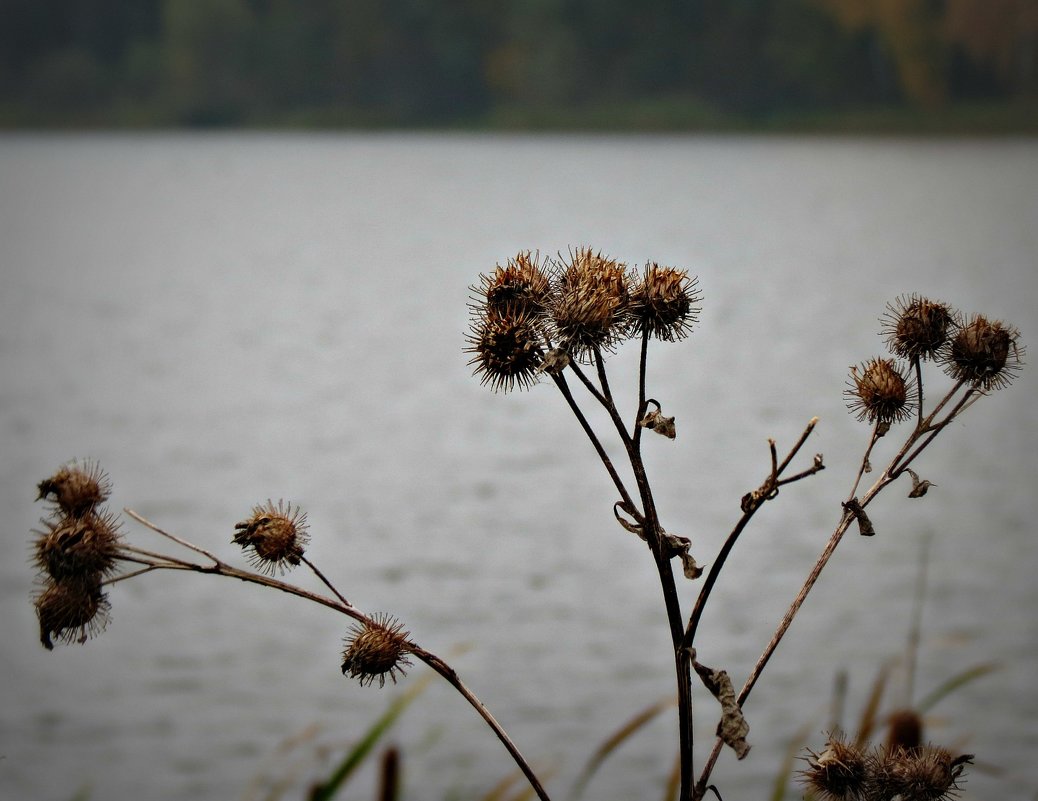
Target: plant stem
(653,533)
(925,430)
(220,568)
(560,382)
(770,484)
(449,674)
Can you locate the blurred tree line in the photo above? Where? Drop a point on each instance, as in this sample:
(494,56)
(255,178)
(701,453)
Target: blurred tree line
(445,62)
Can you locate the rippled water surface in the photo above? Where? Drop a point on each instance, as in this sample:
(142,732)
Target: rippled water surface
(225,319)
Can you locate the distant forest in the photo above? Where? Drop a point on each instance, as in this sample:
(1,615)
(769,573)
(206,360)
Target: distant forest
(512,63)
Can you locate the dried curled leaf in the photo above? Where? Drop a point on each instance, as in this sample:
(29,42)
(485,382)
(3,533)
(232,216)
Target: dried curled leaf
(680,546)
(655,421)
(732,728)
(919,486)
(864,524)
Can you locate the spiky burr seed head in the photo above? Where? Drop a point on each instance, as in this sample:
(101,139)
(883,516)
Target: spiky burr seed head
(879,392)
(985,353)
(664,303)
(375,650)
(277,536)
(76,488)
(71,610)
(916,327)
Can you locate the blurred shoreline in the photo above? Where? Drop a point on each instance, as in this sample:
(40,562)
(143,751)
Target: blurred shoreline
(661,116)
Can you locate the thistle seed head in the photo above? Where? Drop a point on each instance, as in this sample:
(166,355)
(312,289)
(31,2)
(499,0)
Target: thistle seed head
(918,328)
(520,287)
(664,303)
(506,350)
(78,547)
(71,610)
(589,306)
(985,353)
(841,772)
(879,392)
(924,774)
(76,488)
(376,649)
(277,536)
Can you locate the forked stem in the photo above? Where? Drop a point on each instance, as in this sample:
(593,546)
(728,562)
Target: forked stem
(339,604)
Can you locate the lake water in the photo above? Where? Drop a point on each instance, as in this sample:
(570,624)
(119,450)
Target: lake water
(222,319)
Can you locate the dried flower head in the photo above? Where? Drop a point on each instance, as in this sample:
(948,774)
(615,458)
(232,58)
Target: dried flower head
(590,303)
(841,772)
(985,353)
(71,611)
(521,286)
(78,547)
(918,328)
(376,649)
(879,392)
(924,774)
(76,488)
(506,350)
(277,536)
(665,303)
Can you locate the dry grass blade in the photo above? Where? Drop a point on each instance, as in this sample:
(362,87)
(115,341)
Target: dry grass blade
(670,793)
(870,712)
(614,741)
(785,771)
(323,791)
(501,790)
(954,683)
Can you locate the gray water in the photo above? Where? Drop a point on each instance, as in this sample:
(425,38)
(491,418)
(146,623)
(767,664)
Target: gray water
(222,319)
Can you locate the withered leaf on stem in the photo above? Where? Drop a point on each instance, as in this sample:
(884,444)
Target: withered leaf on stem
(732,728)
(680,546)
(655,421)
(919,486)
(864,524)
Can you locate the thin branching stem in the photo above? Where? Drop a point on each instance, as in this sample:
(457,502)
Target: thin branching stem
(932,430)
(925,430)
(452,678)
(127,550)
(339,604)
(865,465)
(324,580)
(642,403)
(588,383)
(653,532)
(603,379)
(174,538)
(560,382)
(772,482)
(150,566)
(918,369)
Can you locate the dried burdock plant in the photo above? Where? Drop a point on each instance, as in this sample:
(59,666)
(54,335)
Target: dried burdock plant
(985,353)
(507,348)
(918,328)
(841,772)
(664,303)
(72,547)
(589,303)
(520,287)
(558,321)
(71,610)
(375,649)
(880,393)
(926,773)
(276,536)
(76,488)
